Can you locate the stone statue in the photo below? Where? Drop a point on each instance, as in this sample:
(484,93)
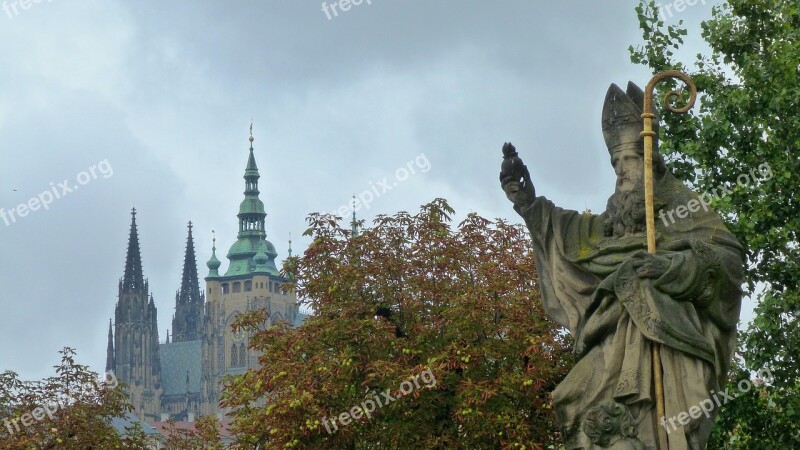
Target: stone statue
(610,425)
(616,300)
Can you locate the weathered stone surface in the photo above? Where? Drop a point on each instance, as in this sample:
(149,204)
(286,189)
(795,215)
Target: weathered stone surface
(599,282)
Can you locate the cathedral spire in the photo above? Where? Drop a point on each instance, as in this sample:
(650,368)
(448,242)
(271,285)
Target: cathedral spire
(133,278)
(190,286)
(251,211)
(110,350)
(251,170)
(251,240)
(135,335)
(189,301)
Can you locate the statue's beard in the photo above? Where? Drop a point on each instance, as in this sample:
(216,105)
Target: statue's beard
(626,212)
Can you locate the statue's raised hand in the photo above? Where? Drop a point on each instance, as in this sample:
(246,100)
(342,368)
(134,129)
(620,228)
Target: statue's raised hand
(515,178)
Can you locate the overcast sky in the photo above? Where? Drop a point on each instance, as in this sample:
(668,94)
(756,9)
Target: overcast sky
(158,98)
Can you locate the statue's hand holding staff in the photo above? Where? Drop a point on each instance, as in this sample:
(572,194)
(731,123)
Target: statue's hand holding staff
(650,266)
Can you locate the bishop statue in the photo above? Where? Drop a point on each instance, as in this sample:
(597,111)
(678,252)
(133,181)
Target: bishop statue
(618,301)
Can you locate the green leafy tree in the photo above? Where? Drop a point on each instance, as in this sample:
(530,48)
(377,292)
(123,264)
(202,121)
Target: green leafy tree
(70,410)
(448,323)
(741,146)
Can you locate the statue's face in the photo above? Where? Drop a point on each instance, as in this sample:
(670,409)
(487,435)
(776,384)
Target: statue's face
(628,164)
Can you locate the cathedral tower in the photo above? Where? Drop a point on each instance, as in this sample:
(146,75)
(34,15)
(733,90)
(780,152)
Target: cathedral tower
(182,378)
(136,360)
(251,282)
(187,323)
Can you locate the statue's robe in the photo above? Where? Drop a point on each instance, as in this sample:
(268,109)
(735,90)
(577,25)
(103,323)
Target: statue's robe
(589,286)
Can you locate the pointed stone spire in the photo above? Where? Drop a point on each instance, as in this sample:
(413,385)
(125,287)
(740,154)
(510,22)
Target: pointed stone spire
(189,301)
(136,361)
(110,350)
(190,286)
(133,279)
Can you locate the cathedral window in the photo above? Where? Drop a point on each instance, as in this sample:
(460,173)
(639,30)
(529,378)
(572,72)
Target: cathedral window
(248,286)
(224,288)
(234,355)
(237,287)
(242,355)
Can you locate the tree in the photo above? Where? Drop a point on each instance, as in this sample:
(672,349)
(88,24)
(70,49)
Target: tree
(71,410)
(746,129)
(205,434)
(422,337)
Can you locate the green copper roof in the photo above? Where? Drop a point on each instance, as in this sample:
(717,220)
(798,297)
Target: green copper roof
(251,205)
(242,256)
(252,169)
(261,261)
(213,263)
(252,237)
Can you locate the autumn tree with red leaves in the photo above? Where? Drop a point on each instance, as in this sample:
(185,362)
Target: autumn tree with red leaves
(447,323)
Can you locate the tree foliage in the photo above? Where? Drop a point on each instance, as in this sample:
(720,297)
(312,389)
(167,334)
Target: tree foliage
(747,119)
(71,410)
(410,298)
(205,434)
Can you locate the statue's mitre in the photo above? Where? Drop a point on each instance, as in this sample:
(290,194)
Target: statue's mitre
(622,118)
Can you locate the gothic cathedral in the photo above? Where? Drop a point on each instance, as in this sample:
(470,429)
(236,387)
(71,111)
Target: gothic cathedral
(181,378)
